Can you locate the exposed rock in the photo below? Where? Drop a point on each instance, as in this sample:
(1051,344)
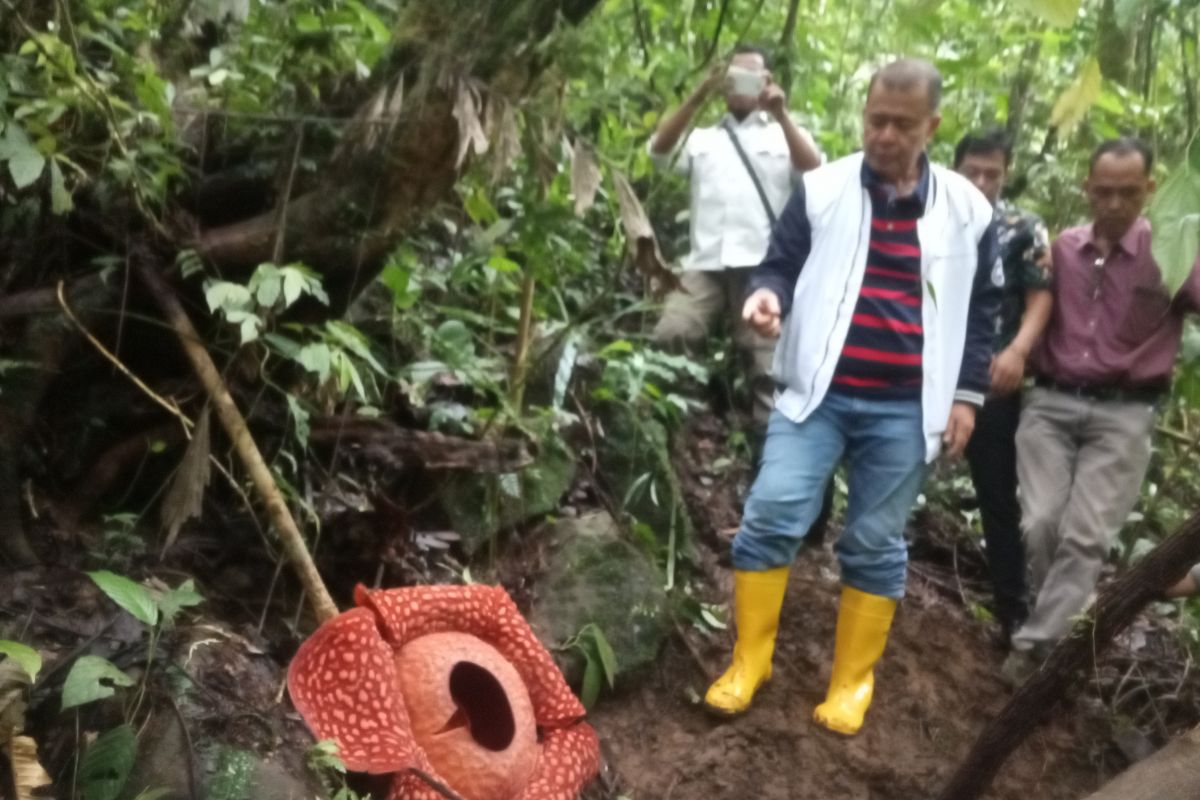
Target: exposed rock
(595,576)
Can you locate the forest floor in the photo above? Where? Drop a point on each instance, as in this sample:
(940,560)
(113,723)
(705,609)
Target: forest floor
(936,687)
(938,684)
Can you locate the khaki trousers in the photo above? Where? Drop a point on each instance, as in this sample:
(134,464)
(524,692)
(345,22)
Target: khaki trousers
(688,318)
(1080,465)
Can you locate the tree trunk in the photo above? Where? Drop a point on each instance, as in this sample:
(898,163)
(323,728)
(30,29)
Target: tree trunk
(1187,36)
(1018,95)
(403,152)
(787,45)
(1115,46)
(1116,607)
(1172,773)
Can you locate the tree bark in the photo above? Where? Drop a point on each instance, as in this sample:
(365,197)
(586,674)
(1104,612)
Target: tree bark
(1116,607)
(1172,773)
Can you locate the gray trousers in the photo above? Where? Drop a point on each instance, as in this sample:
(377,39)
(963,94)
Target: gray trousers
(1080,465)
(688,318)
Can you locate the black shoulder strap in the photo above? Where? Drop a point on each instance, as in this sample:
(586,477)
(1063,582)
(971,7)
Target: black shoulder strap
(762,195)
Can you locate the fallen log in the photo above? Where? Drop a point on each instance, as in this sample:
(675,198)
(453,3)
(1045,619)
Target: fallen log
(395,446)
(1114,610)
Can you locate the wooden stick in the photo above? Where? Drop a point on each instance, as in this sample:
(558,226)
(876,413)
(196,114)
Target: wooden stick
(1116,607)
(116,362)
(235,427)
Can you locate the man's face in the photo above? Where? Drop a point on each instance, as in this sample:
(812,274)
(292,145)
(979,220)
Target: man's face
(987,171)
(1117,190)
(740,105)
(897,124)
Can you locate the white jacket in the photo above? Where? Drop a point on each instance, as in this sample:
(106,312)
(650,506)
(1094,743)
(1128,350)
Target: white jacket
(837,209)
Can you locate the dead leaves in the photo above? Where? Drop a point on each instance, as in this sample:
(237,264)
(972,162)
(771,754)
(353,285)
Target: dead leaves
(643,245)
(585,177)
(469,112)
(185,498)
(26,771)
(375,122)
(505,134)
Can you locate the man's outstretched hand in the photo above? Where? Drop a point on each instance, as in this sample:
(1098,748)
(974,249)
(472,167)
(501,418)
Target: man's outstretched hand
(762,312)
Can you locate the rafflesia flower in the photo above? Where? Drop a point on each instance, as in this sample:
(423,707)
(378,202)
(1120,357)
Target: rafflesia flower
(444,684)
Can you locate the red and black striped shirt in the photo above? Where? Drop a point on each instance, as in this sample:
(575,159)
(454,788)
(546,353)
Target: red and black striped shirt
(882,354)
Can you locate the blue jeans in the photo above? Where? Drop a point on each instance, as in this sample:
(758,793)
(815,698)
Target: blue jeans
(884,447)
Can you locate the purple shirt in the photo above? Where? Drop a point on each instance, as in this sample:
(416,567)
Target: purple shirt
(1113,325)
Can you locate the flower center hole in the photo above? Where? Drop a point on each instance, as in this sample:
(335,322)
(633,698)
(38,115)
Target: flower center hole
(481,697)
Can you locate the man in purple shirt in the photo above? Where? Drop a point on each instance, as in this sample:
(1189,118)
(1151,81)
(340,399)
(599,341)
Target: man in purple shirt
(1105,362)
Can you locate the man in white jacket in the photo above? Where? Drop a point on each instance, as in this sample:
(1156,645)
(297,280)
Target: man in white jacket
(883,281)
(731,209)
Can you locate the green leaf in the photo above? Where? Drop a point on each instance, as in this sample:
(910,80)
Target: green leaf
(61,201)
(379,31)
(267,285)
(1175,217)
(1061,13)
(91,678)
(308,23)
(355,341)
(299,420)
(25,657)
(608,659)
(590,689)
(1074,103)
(502,264)
(454,341)
(317,359)
(399,280)
(293,287)
(226,296)
(107,763)
(25,163)
(175,600)
(566,367)
(133,597)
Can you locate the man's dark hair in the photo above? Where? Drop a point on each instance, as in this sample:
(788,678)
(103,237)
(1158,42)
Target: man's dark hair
(1123,146)
(979,143)
(746,47)
(906,73)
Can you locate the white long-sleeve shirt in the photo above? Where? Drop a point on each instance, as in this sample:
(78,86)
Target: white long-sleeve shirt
(729,226)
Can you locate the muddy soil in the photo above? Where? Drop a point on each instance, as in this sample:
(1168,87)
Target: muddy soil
(937,686)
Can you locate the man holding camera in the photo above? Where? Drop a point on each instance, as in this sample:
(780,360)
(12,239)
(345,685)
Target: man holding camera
(741,172)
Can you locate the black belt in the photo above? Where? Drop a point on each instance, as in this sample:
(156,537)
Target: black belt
(1146,393)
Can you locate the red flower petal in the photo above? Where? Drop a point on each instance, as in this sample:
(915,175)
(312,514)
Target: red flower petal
(489,613)
(343,682)
(570,759)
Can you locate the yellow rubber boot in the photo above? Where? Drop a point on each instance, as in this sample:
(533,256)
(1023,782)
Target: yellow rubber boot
(862,630)
(757,599)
